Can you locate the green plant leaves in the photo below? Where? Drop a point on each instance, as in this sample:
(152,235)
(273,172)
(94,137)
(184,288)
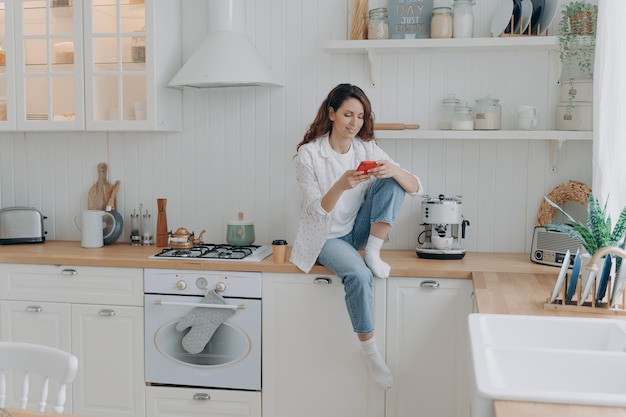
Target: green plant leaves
(597,232)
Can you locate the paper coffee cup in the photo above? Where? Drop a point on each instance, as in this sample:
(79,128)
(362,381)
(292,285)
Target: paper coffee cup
(279,249)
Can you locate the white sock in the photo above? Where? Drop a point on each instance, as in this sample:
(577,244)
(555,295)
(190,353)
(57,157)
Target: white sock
(379,268)
(376,365)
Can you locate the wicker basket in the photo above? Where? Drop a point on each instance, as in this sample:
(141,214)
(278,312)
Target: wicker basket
(582,24)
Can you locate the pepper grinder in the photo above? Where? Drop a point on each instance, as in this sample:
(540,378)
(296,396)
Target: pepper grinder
(135,229)
(162,237)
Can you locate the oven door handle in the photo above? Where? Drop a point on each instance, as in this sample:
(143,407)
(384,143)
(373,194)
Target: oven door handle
(203,305)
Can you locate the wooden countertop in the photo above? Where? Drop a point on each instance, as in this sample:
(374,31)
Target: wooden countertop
(404,263)
(505,283)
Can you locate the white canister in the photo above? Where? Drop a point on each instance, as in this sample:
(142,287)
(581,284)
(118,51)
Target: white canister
(91,226)
(578,117)
(577,90)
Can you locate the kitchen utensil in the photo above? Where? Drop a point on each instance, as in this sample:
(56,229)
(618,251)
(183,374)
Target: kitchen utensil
(113,220)
(604,278)
(515,21)
(536,17)
(100,191)
(162,238)
(527,12)
(501,18)
(443,243)
(395,126)
(240,232)
(183,239)
(573,279)
(561,278)
(21,225)
(91,225)
(550,9)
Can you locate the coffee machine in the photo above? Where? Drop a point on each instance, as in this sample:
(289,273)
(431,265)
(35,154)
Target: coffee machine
(442,220)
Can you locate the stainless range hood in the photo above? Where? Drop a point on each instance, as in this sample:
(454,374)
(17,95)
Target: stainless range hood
(226,57)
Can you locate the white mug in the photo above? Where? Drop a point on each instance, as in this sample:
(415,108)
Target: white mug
(527,117)
(92,228)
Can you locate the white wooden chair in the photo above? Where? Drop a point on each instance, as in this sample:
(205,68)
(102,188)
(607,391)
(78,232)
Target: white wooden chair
(48,362)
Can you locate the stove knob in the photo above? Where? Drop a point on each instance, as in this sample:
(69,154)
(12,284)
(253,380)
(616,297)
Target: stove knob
(181,285)
(220,287)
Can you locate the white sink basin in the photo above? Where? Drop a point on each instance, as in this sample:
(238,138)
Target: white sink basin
(549,359)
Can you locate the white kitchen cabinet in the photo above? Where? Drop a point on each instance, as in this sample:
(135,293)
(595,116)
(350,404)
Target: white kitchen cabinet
(195,402)
(95,313)
(91,65)
(427,347)
(312,361)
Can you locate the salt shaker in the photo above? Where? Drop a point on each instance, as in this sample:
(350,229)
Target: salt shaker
(147,230)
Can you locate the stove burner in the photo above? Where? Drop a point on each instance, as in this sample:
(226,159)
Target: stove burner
(209,251)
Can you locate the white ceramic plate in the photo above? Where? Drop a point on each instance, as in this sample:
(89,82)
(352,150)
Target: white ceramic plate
(561,279)
(527,12)
(618,287)
(550,9)
(588,286)
(501,18)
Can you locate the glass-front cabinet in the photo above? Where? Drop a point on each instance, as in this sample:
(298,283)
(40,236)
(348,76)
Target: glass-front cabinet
(98,65)
(7,75)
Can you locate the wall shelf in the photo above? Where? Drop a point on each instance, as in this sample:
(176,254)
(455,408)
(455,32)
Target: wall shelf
(549,43)
(560,135)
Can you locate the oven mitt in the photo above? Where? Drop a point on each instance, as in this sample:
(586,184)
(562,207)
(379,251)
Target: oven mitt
(203,321)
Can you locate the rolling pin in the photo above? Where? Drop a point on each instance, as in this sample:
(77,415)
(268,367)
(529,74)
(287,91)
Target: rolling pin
(394,126)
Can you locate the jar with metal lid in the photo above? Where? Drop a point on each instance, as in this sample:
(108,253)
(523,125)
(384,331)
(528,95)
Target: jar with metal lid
(378,23)
(441,23)
(462,119)
(487,114)
(463,19)
(447,111)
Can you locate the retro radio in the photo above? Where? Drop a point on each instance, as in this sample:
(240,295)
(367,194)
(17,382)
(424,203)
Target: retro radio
(549,247)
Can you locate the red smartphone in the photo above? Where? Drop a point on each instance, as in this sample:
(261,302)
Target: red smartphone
(366,165)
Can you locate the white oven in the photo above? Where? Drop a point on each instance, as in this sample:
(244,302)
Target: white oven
(232,357)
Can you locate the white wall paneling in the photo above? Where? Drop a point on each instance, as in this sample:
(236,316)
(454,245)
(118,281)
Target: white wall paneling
(235,151)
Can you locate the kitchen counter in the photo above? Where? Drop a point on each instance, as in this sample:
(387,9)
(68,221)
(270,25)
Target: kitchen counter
(505,283)
(404,263)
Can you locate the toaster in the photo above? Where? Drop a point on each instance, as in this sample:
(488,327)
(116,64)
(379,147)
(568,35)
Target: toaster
(21,225)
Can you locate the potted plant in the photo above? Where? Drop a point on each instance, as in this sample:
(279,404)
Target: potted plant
(597,232)
(577,39)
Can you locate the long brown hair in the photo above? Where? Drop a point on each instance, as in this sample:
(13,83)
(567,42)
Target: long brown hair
(322,123)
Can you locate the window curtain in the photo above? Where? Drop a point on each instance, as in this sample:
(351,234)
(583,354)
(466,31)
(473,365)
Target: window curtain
(609,108)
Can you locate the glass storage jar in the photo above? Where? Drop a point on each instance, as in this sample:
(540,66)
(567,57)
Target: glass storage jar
(378,24)
(463,19)
(441,23)
(462,119)
(487,114)
(447,111)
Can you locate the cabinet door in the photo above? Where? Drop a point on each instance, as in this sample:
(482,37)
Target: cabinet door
(312,361)
(132,51)
(36,322)
(7,67)
(196,402)
(49,70)
(427,347)
(108,341)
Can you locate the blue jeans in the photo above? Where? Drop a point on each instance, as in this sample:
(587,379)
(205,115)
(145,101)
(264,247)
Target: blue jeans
(340,255)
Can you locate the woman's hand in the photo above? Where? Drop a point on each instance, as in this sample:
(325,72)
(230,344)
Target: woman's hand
(385,169)
(352,178)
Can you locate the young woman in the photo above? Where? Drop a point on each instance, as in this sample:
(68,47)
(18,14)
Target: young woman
(345,209)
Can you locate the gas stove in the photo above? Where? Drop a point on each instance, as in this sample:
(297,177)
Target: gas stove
(218,252)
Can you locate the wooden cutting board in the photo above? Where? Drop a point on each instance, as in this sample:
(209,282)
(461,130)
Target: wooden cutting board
(100,191)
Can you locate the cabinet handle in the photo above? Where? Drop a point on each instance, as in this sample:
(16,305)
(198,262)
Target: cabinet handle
(34,309)
(429,284)
(323,280)
(69,271)
(106,312)
(201,396)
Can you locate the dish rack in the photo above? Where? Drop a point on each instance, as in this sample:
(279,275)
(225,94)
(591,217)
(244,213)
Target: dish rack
(585,306)
(527,32)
